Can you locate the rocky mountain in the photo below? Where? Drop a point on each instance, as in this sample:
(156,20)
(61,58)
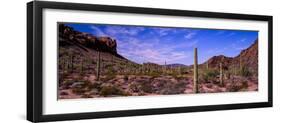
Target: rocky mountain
(70,37)
(248,57)
(216,60)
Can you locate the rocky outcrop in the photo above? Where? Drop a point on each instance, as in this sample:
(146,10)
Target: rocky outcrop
(216,60)
(68,36)
(248,57)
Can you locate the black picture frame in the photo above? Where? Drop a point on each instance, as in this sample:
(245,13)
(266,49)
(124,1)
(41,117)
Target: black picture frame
(35,69)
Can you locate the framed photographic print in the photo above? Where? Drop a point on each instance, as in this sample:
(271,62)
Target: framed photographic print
(96,61)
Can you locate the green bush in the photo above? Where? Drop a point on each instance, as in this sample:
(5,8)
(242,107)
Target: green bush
(110,69)
(111,90)
(236,87)
(208,75)
(245,72)
(154,74)
(146,87)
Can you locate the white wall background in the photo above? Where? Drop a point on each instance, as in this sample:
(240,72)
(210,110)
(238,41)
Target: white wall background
(13,61)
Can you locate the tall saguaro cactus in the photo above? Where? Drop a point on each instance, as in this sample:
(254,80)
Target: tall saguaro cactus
(98,66)
(165,67)
(235,70)
(221,74)
(195,78)
(207,65)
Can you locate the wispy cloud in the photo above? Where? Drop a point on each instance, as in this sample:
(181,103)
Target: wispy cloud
(242,40)
(151,51)
(98,31)
(238,47)
(163,31)
(224,33)
(217,50)
(190,35)
(121,30)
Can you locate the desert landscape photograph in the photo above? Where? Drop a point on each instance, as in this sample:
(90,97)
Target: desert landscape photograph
(106,61)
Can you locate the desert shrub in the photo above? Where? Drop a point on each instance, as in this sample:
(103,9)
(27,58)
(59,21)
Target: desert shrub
(134,87)
(146,87)
(154,74)
(173,88)
(181,70)
(208,75)
(245,84)
(95,85)
(179,77)
(112,90)
(80,87)
(110,69)
(245,72)
(235,87)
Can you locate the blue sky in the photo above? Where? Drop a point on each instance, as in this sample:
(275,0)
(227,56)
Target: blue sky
(173,45)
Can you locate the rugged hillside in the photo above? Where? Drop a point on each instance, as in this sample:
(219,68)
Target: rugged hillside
(78,53)
(216,60)
(247,57)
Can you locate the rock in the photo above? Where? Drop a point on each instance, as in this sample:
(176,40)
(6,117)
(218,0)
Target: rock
(69,36)
(77,85)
